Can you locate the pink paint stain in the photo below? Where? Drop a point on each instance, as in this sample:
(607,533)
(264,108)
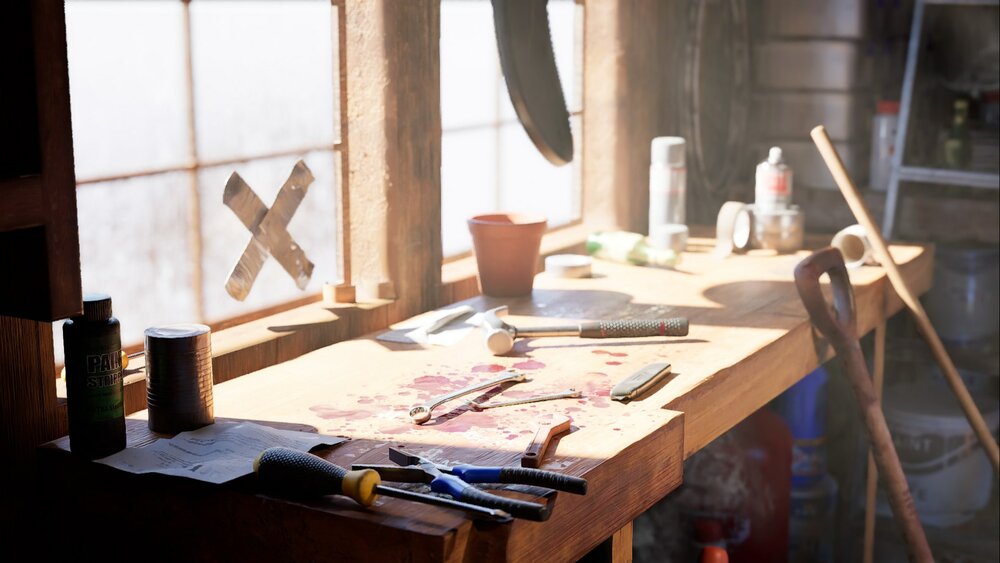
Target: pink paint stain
(395,429)
(576,409)
(467,421)
(403,393)
(529,364)
(365,401)
(617,429)
(332,413)
(613,363)
(430,382)
(606,353)
(512,436)
(488,368)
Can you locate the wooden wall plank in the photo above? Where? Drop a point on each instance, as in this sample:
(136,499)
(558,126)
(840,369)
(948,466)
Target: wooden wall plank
(625,106)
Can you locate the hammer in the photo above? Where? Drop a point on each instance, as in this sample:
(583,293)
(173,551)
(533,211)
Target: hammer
(499,336)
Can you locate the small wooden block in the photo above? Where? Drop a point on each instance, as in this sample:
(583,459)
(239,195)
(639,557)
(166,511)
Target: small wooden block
(532,456)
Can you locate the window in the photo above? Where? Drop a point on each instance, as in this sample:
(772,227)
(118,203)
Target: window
(170,97)
(488,163)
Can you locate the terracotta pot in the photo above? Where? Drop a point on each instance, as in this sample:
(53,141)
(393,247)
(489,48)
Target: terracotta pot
(506,246)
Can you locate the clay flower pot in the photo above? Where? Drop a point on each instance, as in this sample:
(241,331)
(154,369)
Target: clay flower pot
(506,246)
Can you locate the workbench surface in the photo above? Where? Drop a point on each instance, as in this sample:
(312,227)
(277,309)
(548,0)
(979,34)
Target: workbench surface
(750,339)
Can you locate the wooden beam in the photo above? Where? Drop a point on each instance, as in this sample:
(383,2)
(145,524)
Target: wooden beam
(28,416)
(624,108)
(394,110)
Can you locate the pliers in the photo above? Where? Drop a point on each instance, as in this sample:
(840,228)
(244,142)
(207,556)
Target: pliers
(455,481)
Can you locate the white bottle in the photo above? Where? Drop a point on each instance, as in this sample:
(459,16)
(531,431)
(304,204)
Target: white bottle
(667,178)
(883,144)
(773,183)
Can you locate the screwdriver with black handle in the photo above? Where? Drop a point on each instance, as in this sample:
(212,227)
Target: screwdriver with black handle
(300,474)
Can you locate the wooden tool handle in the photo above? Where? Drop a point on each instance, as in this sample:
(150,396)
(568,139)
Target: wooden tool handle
(924,325)
(532,456)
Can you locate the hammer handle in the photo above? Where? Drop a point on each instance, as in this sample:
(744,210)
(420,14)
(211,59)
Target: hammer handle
(677,326)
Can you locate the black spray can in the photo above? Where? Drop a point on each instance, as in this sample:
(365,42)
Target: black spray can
(95,396)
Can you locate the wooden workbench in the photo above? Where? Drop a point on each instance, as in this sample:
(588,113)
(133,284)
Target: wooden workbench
(750,339)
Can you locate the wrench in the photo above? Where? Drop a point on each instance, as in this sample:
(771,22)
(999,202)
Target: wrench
(567,394)
(422,413)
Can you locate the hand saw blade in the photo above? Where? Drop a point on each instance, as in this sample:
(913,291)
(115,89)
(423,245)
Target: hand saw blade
(524,41)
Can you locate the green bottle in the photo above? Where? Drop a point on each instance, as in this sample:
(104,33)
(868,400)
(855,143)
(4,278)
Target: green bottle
(957,148)
(94,391)
(632,248)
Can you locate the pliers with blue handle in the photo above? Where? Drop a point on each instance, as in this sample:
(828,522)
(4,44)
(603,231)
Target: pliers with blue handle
(455,481)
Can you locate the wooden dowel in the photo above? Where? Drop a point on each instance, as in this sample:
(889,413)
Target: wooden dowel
(878,364)
(924,325)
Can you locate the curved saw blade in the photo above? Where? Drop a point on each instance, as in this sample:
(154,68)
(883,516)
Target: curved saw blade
(529,66)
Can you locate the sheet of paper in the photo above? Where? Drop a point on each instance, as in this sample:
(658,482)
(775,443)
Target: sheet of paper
(217,453)
(445,327)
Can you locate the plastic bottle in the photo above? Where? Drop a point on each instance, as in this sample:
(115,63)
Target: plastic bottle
(667,178)
(773,183)
(957,148)
(883,143)
(96,398)
(632,248)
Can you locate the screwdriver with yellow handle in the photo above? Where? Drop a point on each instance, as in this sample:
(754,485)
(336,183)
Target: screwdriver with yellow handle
(300,474)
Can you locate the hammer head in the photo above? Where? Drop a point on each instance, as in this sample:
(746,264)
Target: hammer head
(498,335)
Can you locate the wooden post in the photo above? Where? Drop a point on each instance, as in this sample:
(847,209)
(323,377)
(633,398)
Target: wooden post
(624,108)
(394,109)
(27,394)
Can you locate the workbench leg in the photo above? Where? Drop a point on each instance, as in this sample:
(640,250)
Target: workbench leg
(878,367)
(616,549)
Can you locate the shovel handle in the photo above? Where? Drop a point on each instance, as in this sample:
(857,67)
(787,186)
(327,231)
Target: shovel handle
(837,323)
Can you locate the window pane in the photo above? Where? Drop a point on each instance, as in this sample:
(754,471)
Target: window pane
(313,227)
(486,166)
(470,67)
(127,92)
(529,183)
(468,184)
(135,246)
(263,76)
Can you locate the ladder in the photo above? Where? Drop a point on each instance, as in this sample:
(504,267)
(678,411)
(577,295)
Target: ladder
(901,173)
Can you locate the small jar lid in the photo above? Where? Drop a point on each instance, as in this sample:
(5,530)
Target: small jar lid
(568,265)
(96,307)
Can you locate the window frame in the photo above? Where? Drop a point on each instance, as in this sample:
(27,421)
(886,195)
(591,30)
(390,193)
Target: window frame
(382,147)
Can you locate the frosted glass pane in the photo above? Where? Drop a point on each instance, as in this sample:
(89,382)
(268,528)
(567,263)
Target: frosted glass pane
(134,246)
(263,76)
(470,66)
(127,93)
(563,25)
(314,227)
(529,183)
(468,184)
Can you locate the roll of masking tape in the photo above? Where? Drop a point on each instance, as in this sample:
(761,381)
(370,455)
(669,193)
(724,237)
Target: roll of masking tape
(853,243)
(733,228)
